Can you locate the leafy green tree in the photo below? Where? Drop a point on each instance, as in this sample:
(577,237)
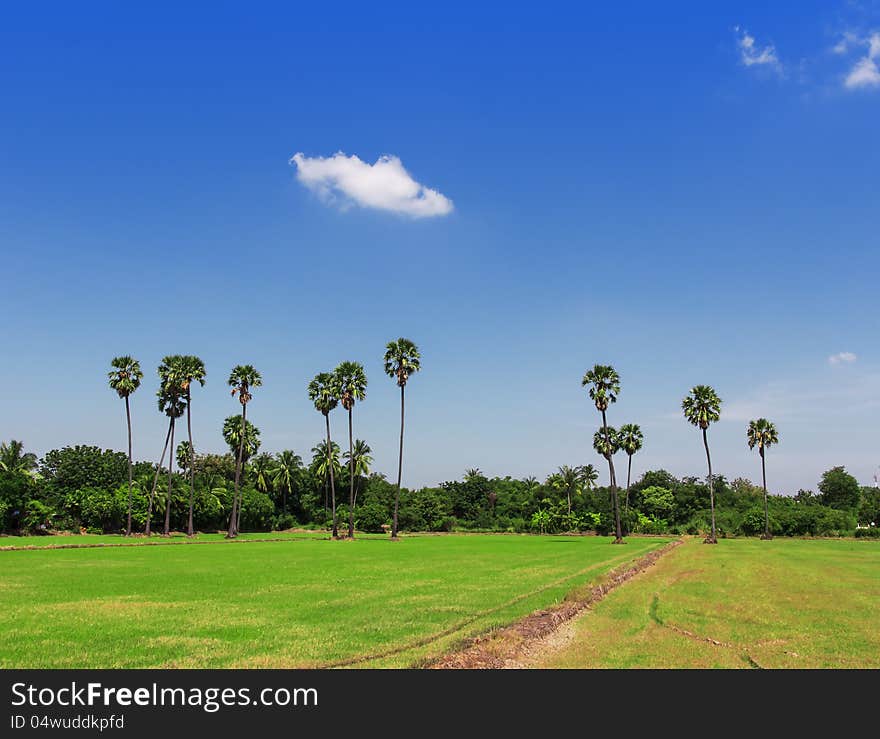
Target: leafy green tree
(287,468)
(125,378)
(840,490)
(324,393)
(360,460)
(631,439)
(568,480)
(762,433)
(242,379)
(604,386)
(658,501)
(702,407)
(351,381)
(401,359)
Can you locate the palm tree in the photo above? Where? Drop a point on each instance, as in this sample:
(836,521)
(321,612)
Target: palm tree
(360,461)
(568,479)
(606,442)
(125,378)
(763,434)
(324,457)
(232,437)
(287,468)
(263,468)
(402,359)
(604,384)
(631,439)
(158,470)
(702,407)
(14,459)
(324,393)
(351,382)
(187,370)
(242,378)
(589,476)
(172,402)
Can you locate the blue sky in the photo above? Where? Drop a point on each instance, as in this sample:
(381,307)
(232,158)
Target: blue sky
(687,192)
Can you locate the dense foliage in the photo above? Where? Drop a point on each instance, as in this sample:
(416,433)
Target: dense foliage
(86,488)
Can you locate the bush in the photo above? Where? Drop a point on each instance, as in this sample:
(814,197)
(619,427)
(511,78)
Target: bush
(370,517)
(38,517)
(872,533)
(284,521)
(257,510)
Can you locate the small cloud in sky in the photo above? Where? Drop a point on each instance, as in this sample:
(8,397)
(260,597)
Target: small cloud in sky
(753,55)
(842,358)
(384,185)
(865,72)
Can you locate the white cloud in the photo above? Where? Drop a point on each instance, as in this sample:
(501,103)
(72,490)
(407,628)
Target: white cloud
(865,72)
(842,358)
(751,55)
(385,185)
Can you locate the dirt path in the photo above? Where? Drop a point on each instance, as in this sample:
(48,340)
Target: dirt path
(528,641)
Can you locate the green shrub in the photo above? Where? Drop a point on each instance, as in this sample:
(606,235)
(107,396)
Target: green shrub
(872,533)
(370,517)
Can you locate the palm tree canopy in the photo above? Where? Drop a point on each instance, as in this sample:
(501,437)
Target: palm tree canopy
(631,438)
(702,406)
(589,474)
(232,436)
(362,457)
(402,358)
(126,375)
(606,448)
(762,434)
(287,467)
(323,392)
(318,465)
(172,401)
(604,384)
(568,479)
(184,451)
(351,382)
(263,468)
(242,378)
(14,459)
(187,369)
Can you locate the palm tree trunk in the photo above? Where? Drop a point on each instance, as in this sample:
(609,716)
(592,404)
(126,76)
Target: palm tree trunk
(712,538)
(399,470)
(167,528)
(766,508)
(192,471)
(618,533)
(128,421)
(335,532)
(233,517)
(156,480)
(568,497)
(629,467)
(351,479)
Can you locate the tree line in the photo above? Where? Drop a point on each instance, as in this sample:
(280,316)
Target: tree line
(83,487)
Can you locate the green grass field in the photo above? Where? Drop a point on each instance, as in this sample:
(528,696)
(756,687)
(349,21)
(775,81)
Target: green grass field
(303,602)
(785,603)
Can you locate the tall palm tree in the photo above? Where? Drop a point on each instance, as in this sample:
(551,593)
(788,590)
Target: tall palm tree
(172,402)
(187,370)
(125,378)
(606,442)
(324,393)
(351,382)
(702,407)
(158,471)
(589,476)
(287,467)
(763,434)
(402,359)
(604,384)
(232,437)
(360,460)
(242,379)
(631,439)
